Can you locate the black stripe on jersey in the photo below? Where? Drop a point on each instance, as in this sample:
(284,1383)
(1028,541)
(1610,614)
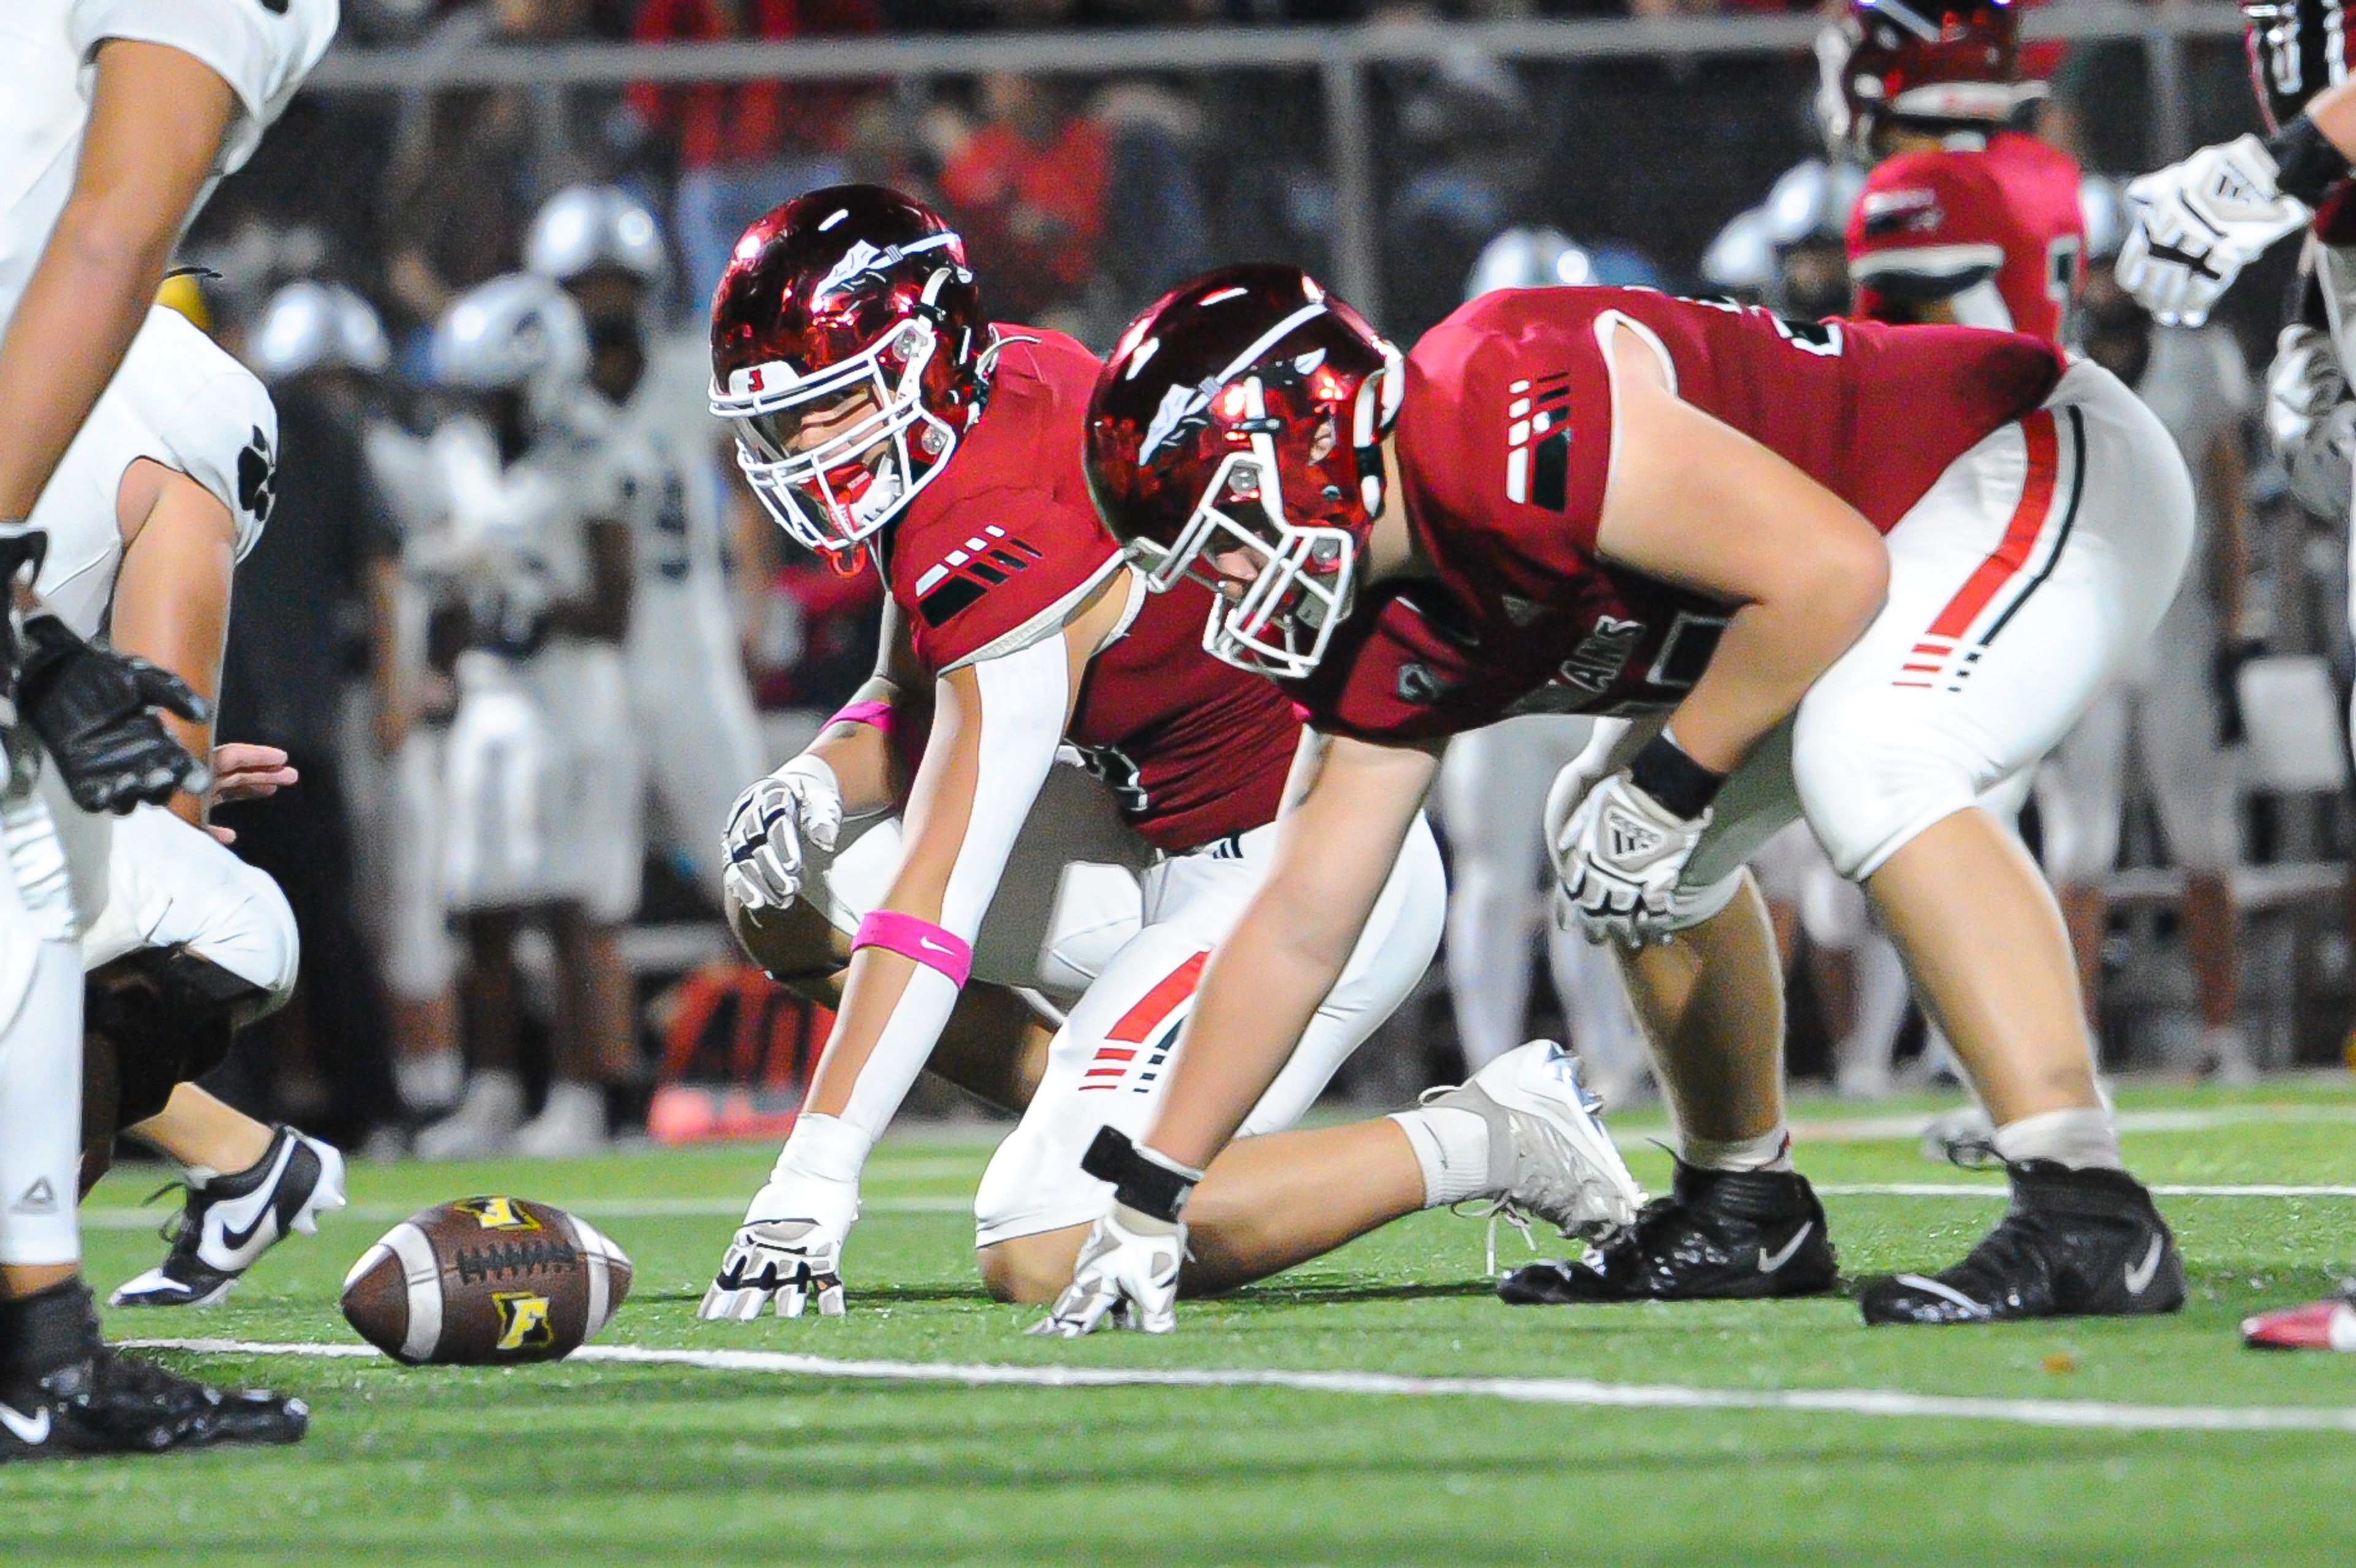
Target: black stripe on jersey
(1009,561)
(2069,521)
(987,572)
(955,594)
(1550,471)
(1024,548)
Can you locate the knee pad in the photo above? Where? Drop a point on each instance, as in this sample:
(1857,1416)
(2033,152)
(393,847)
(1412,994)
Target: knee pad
(1867,788)
(154,1020)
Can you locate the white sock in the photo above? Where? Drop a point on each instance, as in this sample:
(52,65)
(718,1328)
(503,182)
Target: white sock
(1452,1146)
(40,1108)
(1768,1151)
(825,1147)
(431,1082)
(2084,1139)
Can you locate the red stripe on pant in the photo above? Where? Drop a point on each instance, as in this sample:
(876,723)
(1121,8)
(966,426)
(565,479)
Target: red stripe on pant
(2019,535)
(1169,993)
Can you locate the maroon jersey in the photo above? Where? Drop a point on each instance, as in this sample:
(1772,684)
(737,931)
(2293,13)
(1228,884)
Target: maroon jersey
(1005,543)
(1931,224)
(1505,446)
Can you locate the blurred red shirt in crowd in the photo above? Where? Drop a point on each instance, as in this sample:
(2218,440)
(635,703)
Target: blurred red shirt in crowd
(746,122)
(1027,188)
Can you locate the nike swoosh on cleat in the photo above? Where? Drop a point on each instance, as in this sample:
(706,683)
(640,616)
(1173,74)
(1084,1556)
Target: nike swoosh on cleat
(235,1241)
(32,1429)
(1769,1261)
(2139,1276)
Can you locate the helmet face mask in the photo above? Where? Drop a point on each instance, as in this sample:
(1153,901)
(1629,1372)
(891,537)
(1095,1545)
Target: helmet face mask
(1935,65)
(1236,438)
(1277,619)
(2297,48)
(849,354)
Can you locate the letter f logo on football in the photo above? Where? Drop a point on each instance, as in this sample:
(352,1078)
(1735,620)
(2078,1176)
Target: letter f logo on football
(524,1321)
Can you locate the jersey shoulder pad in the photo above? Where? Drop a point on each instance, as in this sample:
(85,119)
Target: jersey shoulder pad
(1506,429)
(261,49)
(1927,199)
(993,571)
(1390,675)
(212,418)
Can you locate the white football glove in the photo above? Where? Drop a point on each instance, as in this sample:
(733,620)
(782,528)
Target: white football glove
(2311,419)
(801,801)
(2198,223)
(1620,857)
(1127,1277)
(788,1250)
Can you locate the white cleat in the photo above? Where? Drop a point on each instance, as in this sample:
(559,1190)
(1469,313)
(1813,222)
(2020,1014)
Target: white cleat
(482,1126)
(230,1220)
(571,1125)
(1549,1155)
(789,1262)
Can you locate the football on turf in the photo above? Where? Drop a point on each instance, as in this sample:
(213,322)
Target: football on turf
(486,1281)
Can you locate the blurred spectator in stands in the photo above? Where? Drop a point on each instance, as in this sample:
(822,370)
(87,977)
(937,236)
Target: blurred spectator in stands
(745,147)
(1462,124)
(469,167)
(1026,186)
(297,632)
(1158,226)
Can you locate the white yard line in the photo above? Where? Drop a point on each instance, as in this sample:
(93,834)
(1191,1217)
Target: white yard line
(119,1219)
(1884,1402)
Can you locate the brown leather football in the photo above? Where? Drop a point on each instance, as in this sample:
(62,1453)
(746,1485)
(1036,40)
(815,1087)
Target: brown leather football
(486,1281)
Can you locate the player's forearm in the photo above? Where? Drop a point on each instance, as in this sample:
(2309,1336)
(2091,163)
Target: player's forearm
(859,748)
(1771,652)
(79,313)
(2334,113)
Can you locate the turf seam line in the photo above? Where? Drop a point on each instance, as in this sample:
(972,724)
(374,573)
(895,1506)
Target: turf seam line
(1873,1402)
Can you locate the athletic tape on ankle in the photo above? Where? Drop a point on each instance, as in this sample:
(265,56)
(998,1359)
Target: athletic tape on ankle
(873,712)
(934,946)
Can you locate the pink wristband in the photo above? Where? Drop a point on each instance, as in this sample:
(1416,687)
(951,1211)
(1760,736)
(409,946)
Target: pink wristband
(872,711)
(929,944)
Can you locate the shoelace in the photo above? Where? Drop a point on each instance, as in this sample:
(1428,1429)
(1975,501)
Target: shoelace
(176,1224)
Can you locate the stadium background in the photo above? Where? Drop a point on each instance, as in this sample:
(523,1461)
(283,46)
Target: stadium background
(1095,153)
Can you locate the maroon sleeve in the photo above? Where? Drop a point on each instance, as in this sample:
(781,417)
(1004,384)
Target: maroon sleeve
(996,564)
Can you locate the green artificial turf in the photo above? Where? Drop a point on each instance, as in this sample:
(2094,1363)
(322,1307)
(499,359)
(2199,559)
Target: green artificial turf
(659,1463)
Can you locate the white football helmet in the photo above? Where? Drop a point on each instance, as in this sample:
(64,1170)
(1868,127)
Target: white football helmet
(310,326)
(1529,259)
(518,332)
(584,226)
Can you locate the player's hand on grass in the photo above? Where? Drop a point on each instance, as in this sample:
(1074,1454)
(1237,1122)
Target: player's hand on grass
(799,803)
(1127,1277)
(788,1252)
(1620,857)
(2198,223)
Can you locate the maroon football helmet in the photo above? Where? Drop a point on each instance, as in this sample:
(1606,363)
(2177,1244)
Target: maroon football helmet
(1239,423)
(1935,62)
(2297,48)
(850,351)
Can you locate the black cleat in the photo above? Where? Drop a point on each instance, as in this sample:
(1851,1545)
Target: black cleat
(1718,1235)
(2076,1243)
(67,1395)
(231,1220)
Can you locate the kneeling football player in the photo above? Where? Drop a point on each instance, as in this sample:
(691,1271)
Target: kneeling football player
(881,417)
(1864,572)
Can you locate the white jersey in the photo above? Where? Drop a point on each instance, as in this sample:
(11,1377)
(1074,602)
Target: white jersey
(181,401)
(261,49)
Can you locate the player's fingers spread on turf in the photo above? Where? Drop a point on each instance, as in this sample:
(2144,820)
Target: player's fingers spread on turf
(829,1297)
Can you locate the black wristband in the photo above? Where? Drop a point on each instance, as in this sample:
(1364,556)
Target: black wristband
(1683,786)
(2306,163)
(1149,1185)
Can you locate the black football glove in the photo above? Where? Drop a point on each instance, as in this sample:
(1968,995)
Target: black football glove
(95,710)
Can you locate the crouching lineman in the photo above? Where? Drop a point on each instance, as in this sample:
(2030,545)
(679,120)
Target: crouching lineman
(1867,572)
(881,414)
(165,489)
(542,771)
(119,114)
